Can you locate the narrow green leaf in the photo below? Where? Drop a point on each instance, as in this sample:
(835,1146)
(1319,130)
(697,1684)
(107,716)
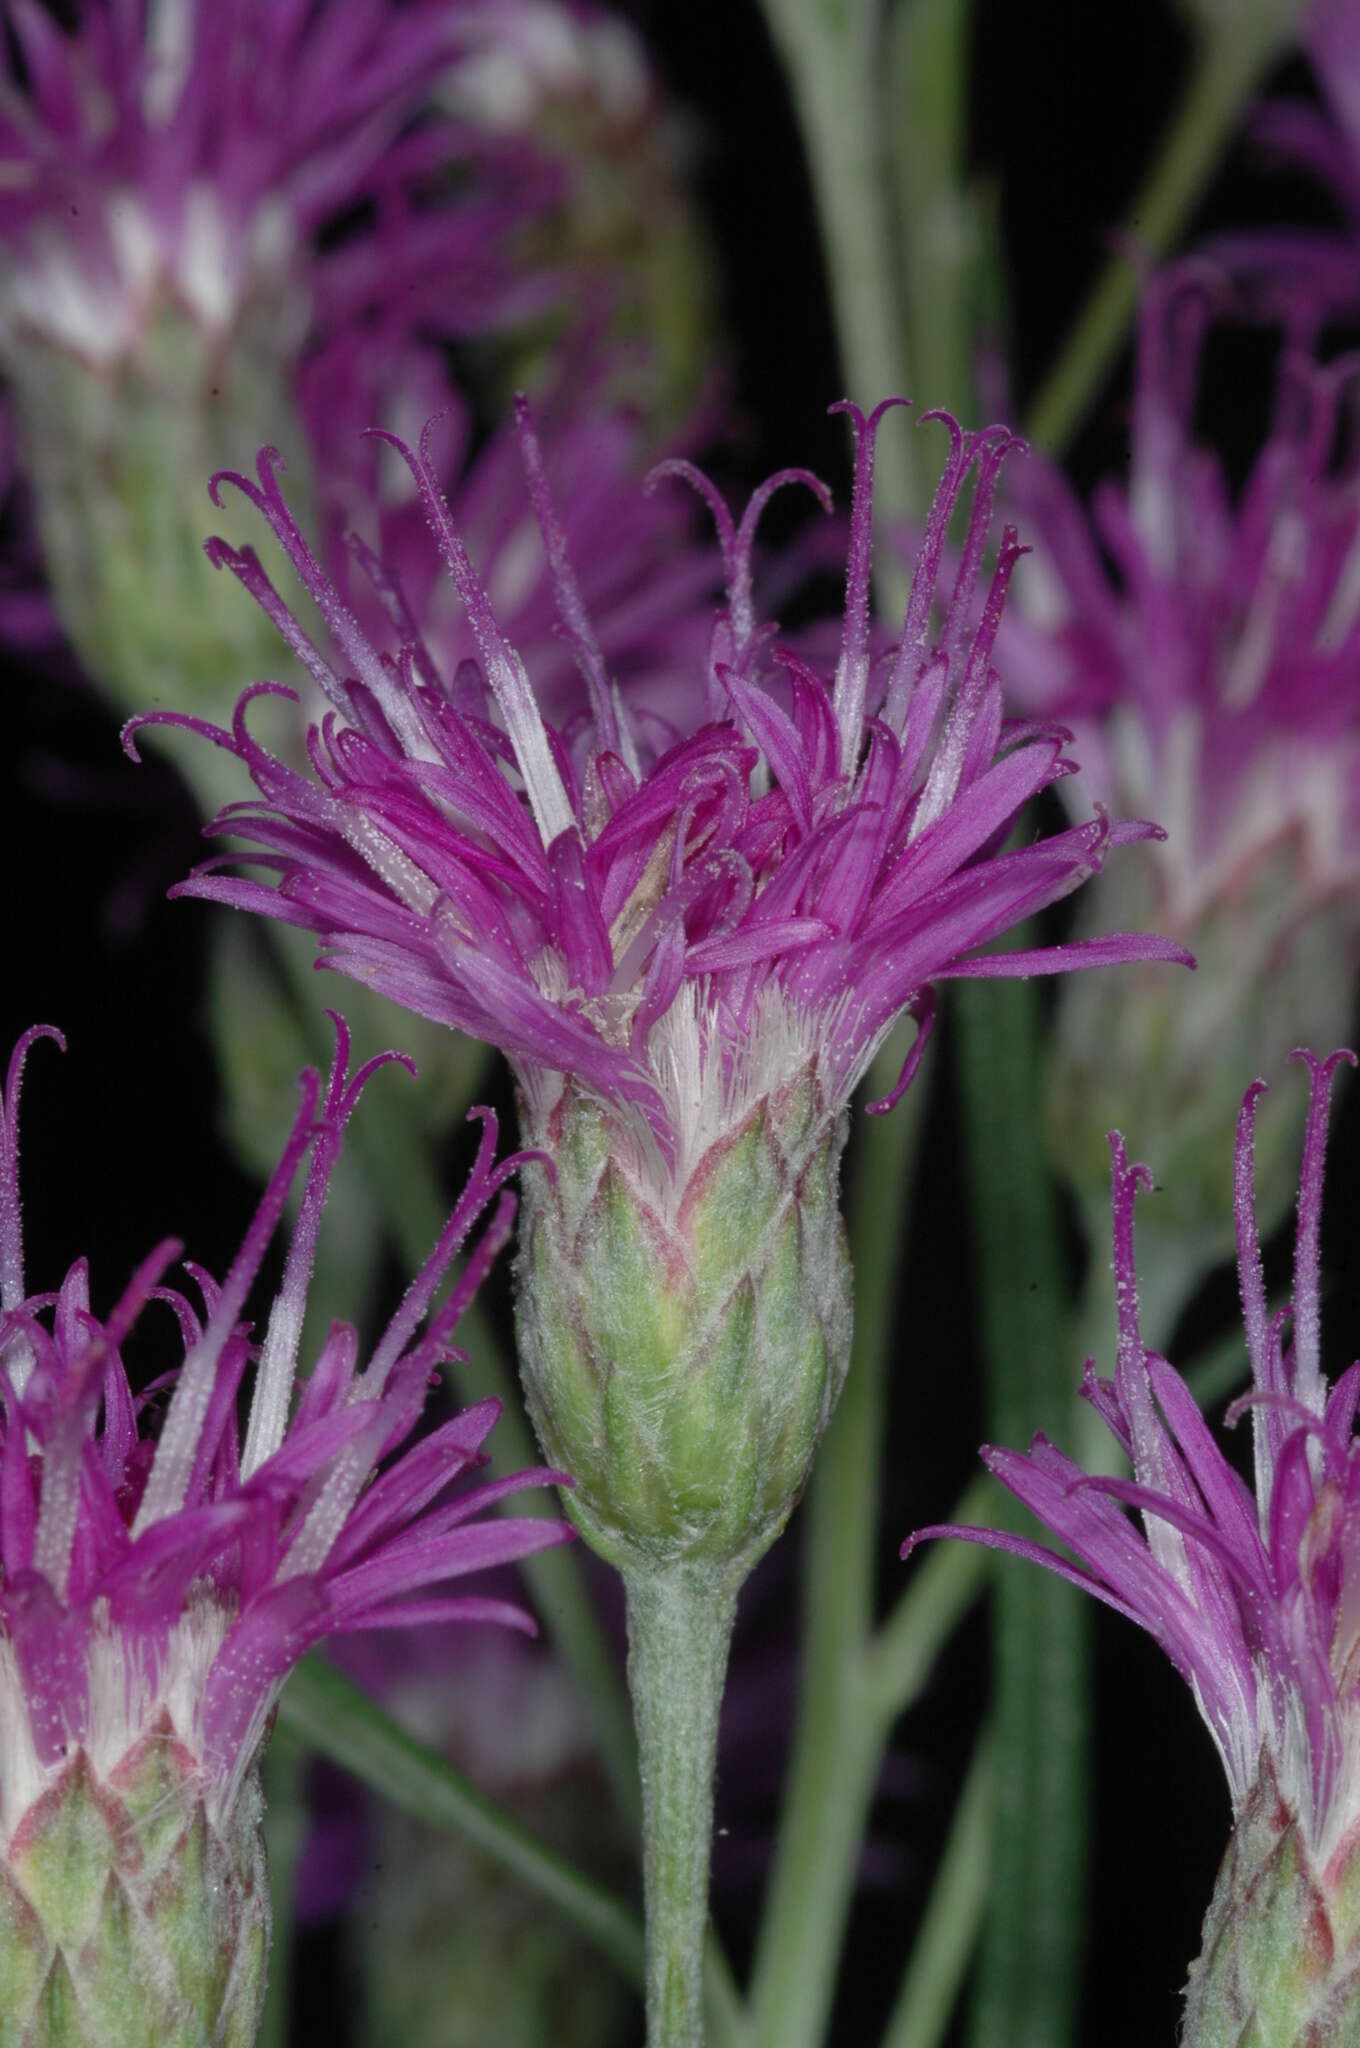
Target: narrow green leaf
(341,1722)
(939,231)
(1030,1963)
(940,1955)
(833,55)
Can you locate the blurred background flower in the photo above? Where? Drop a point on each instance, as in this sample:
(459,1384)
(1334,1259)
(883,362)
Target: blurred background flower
(443,1949)
(1201,637)
(315,219)
(222,223)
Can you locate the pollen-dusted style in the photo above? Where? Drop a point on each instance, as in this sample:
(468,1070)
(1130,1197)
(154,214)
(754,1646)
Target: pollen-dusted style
(1254,1597)
(648,581)
(156,1588)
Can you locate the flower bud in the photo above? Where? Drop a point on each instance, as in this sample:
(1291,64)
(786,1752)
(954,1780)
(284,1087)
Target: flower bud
(684,1341)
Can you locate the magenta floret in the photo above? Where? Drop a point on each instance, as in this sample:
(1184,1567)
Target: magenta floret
(320,1518)
(816,848)
(1251,1592)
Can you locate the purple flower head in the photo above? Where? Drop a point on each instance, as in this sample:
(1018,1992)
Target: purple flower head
(680,917)
(207,207)
(1218,680)
(1255,1598)
(184,1572)
(220,222)
(1204,645)
(1303,276)
(192,149)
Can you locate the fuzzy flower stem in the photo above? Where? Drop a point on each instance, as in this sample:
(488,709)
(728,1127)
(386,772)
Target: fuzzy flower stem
(831,54)
(680,1619)
(1227,68)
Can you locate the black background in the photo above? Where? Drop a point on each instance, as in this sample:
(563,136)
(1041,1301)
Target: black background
(123,1143)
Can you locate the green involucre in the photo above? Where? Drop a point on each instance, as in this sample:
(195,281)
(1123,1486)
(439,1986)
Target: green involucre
(682,1367)
(127,1919)
(1280,1967)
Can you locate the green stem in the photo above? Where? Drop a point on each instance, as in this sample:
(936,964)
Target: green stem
(949,1931)
(831,50)
(680,1620)
(838,1742)
(1227,68)
(341,1722)
(1027,1979)
(938,238)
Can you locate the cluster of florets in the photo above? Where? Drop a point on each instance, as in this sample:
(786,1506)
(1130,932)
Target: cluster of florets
(681,915)
(1217,680)
(1252,1594)
(646,583)
(182,1573)
(191,152)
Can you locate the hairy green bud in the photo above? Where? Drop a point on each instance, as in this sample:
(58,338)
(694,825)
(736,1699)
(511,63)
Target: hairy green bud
(684,1339)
